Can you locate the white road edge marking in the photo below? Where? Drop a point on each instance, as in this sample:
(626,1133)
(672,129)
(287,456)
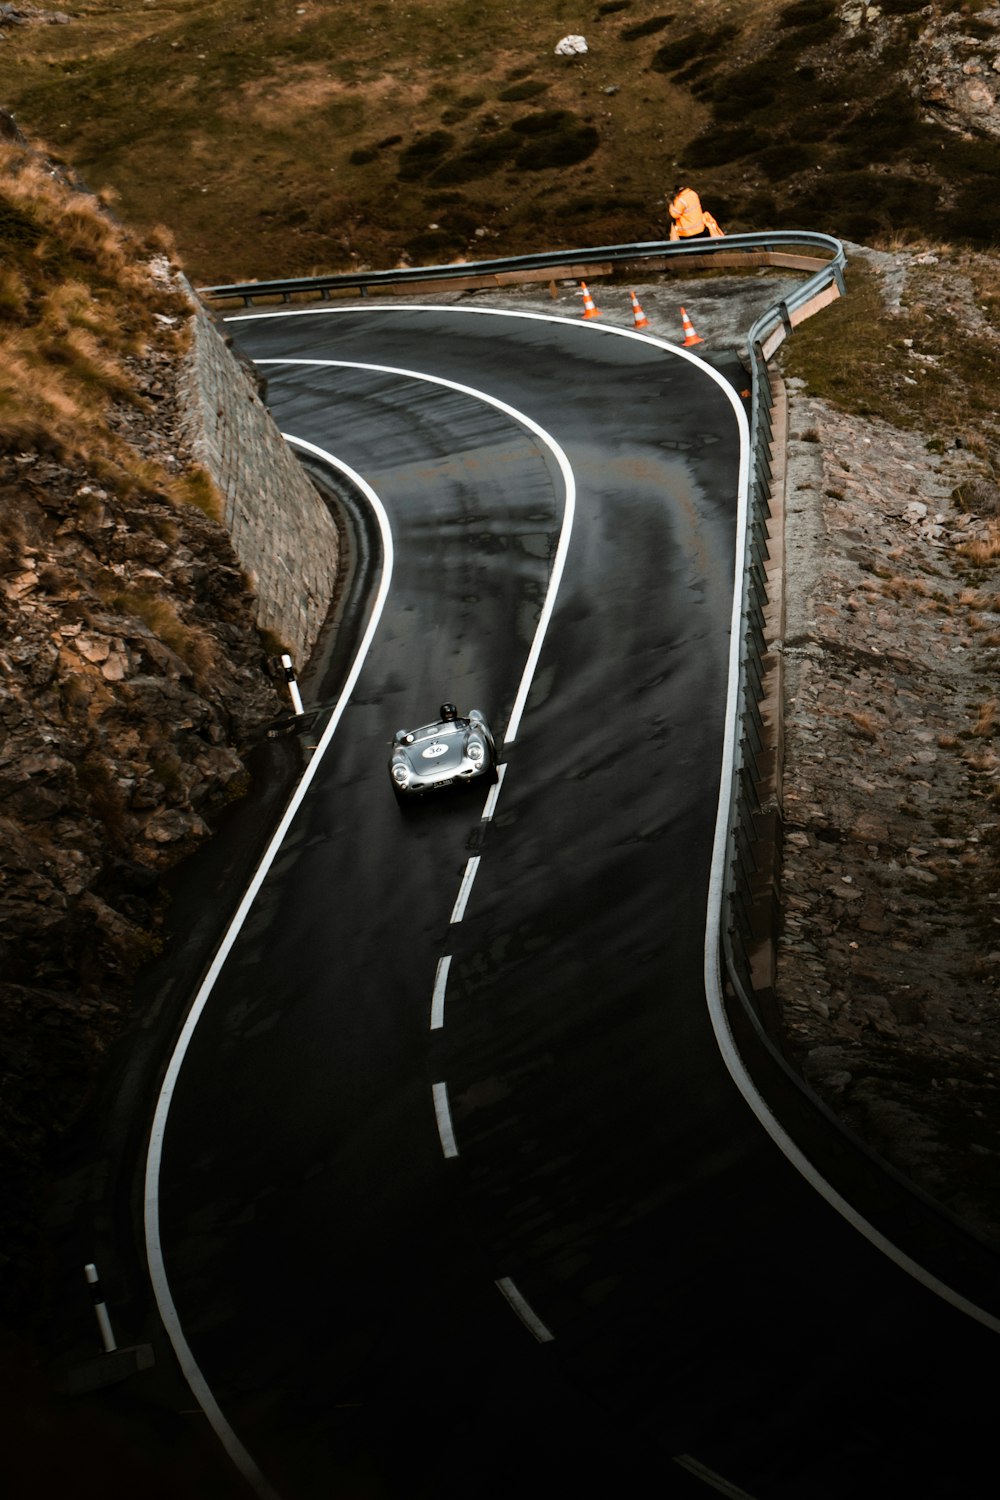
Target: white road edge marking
(713,928)
(569,496)
(443,1112)
(490,805)
(461,900)
(528,1316)
(437,998)
(154,1155)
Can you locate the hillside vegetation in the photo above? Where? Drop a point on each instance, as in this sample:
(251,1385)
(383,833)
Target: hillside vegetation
(316,136)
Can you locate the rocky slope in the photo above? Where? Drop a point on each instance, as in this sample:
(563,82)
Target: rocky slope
(889,963)
(132,679)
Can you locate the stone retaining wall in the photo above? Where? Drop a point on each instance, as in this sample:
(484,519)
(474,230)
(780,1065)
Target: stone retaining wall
(282,530)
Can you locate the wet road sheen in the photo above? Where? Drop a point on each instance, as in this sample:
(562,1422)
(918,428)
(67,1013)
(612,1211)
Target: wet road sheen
(687,1303)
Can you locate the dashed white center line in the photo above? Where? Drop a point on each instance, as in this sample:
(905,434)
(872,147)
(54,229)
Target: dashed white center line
(528,1316)
(443,1112)
(458,910)
(491,801)
(437,998)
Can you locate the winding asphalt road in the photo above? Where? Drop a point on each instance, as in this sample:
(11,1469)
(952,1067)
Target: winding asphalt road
(450,1191)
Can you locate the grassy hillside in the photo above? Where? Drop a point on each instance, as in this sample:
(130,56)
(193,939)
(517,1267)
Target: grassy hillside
(294,137)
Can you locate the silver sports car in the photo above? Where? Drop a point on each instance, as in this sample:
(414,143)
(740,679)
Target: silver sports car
(450,752)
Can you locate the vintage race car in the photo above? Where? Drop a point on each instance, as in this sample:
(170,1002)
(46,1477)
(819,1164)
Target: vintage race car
(452,751)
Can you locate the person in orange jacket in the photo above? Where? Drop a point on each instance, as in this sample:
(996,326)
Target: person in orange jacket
(691,221)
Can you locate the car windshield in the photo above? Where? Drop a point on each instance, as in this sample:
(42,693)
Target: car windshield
(443,726)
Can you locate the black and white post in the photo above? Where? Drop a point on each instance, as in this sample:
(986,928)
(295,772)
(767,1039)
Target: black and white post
(293,687)
(103,1321)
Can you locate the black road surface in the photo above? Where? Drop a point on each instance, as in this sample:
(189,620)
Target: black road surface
(607,1280)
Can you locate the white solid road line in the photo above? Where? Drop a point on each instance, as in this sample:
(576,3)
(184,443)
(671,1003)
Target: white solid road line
(569,500)
(437,998)
(528,1316)
(445,1128)
(154,1248)
(461,900)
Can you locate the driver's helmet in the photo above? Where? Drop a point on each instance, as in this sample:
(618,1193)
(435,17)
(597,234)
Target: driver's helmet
(449,712)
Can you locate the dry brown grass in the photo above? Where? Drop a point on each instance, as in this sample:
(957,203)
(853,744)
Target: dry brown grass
(901,587)
(193,645)
(197,488)
(77,299)
(865,723)
(38,408)
(985,726)
(981,761)
(982,551)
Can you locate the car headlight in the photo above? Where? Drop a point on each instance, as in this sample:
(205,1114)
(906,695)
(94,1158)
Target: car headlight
(475,751)
(400,774)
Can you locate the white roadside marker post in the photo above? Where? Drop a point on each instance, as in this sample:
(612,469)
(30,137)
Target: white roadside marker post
(76,1375)
(103,1321)
(293,687)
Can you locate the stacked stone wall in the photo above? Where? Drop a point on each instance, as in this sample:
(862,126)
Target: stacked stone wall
(282,531)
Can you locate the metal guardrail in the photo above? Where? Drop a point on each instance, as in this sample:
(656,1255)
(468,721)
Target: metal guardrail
(741,900)
(512,268)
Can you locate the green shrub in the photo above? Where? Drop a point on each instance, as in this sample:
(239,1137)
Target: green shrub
(785,159)
(530,88)
(715,147)
(645,28)
(863,205)
(749,86)
(805,12)
(883,129)
(563,147)
(592,206)
(433,246)
(487,154)
(976,217)
(793,42)
(422,155)
(462,108)
(694,77)
(697,44)
(971,158)
(543,122)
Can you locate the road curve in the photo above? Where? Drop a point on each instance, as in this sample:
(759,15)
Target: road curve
(454,1184)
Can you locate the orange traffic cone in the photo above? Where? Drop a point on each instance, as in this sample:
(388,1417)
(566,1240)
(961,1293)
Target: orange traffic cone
(589,310)
(690,337)
(639,317)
